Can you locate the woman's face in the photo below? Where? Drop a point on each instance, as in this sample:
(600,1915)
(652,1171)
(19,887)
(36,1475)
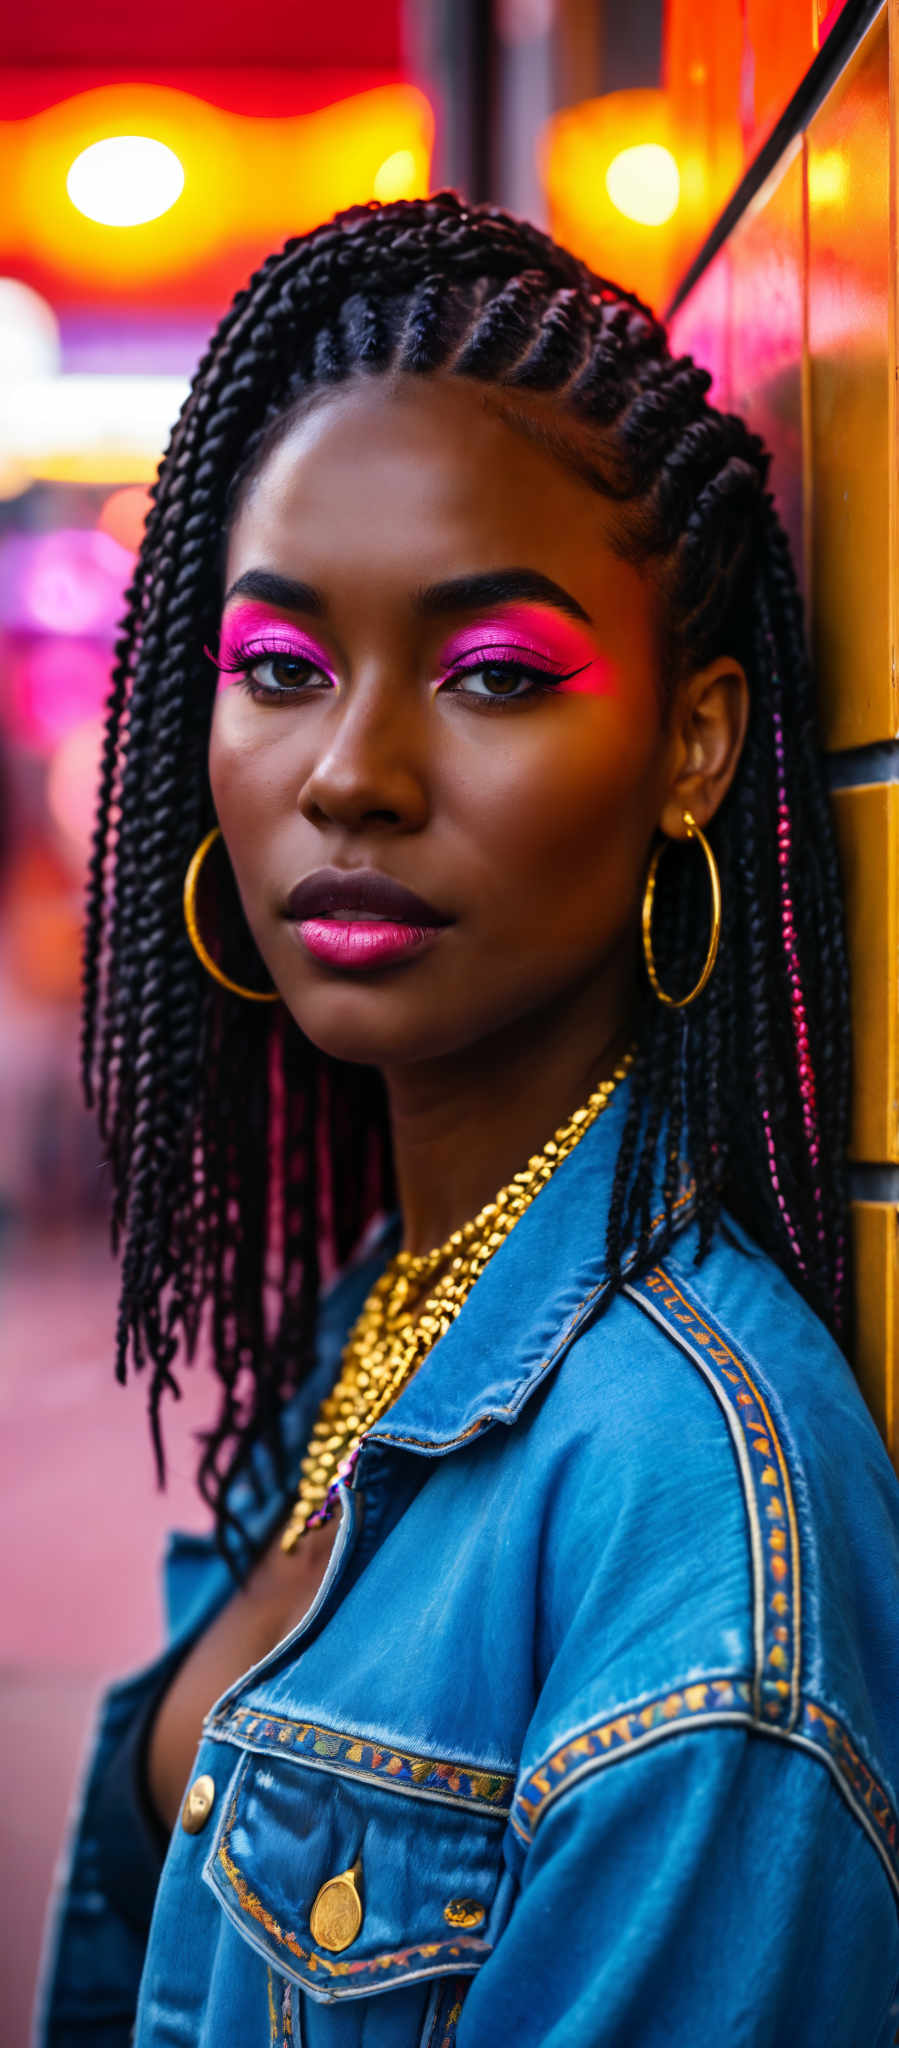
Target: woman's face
(462,694)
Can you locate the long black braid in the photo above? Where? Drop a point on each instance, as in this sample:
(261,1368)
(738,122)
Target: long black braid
(236,1147)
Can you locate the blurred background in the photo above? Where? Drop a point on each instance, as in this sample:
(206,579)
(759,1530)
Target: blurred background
(728,159)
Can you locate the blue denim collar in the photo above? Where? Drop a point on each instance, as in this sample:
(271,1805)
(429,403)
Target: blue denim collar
(547,1278)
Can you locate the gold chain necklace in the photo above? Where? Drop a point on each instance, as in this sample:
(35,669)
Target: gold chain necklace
(391,1334)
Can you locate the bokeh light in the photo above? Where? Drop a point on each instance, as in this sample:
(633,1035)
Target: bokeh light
(396,177)
(828,177)
(52,685)
(611,168)
(68,582)
(29,334)
(248,183)
(123,515)
(88,429)
(125,180)
(72,776)
(643,182)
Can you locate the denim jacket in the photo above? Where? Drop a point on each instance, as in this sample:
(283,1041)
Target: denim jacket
(594,1715)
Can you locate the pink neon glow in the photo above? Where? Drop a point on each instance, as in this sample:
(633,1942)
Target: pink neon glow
(536,636)
(360,944)
(55,683)
(70,581)
(71,784)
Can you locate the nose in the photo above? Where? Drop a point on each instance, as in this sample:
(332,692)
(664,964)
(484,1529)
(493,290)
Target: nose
(371,766)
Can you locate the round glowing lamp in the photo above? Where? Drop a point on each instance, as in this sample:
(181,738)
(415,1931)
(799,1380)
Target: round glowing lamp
(644,183)
(611,173)
(125,180)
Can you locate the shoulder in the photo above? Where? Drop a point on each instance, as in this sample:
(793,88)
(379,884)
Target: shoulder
(716,1385)
(723,1541)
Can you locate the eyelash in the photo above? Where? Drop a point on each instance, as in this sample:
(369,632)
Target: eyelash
(242,662)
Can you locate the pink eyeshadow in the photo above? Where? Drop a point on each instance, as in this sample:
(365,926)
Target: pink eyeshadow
(540,636)
(247,628)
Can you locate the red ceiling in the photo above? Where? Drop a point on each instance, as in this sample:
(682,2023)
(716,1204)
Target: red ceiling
(295,34)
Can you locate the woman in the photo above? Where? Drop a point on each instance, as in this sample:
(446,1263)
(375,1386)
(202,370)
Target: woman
(553,1699)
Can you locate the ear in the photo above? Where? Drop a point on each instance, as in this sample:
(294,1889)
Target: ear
(707,727)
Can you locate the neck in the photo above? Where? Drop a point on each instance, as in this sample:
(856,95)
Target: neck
(462,1126)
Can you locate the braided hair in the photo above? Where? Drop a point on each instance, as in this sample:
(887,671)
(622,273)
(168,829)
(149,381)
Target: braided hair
(236,1147)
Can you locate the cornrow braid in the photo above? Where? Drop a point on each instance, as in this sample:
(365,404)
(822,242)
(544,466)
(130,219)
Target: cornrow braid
(239,1152)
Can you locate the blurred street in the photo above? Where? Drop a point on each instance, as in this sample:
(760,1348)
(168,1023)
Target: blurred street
(81,1532)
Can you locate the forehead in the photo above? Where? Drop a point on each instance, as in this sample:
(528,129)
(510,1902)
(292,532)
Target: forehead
(417,475)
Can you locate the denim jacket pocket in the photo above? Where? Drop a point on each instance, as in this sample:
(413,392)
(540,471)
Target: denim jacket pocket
(422,1886)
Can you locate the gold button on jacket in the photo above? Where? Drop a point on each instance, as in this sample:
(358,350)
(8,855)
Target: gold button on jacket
(464,1913)
(198,1805)
(336,1915)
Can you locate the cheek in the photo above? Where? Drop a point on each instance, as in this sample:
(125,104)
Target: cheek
(221,756)
(241,791)
(573,806)
(239,757)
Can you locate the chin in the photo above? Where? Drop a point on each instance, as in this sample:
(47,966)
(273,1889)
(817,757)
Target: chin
(340,1028)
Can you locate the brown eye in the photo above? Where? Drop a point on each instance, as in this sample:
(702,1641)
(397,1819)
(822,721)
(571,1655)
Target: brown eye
(502,680)
(291,676)
(286,668)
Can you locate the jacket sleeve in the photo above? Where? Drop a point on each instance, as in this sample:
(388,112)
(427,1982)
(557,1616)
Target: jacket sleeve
(712,1887)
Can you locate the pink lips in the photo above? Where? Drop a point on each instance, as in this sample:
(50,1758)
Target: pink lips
(361,918)
(356,943)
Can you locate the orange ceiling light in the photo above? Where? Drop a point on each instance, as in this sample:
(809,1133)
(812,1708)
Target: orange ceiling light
(248,183)
(125,180)
(397,177)
(611,170)
(643,182)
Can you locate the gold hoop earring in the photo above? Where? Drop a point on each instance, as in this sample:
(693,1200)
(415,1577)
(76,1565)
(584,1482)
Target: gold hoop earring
(680,1002)
(253,995)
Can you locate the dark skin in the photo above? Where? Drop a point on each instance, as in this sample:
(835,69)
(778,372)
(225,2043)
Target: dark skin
(529,823)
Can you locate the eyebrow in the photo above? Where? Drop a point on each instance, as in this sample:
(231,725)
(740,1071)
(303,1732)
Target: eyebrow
(282,591)
(498,586)
(432,600)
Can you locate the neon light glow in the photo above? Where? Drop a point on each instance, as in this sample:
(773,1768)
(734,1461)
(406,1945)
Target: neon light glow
(29,333)
(125,180)
(828,178)
(615,170)
(644,183)
(398,177)
(124,515)
(71,782)
(120,154)
(70,581)
(88,429)
(55,684)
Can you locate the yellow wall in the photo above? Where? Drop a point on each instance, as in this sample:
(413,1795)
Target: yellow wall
(796,317)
